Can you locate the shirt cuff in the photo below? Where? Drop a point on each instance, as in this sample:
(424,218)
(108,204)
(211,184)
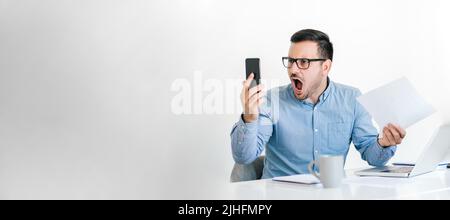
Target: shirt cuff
(247,126)
(386,152)
(385,148)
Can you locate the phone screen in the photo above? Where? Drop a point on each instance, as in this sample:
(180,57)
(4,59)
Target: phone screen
(252,66)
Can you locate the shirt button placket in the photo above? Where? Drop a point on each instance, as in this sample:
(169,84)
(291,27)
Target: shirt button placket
(315,134)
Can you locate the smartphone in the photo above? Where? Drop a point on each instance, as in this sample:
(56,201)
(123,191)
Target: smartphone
(252,66)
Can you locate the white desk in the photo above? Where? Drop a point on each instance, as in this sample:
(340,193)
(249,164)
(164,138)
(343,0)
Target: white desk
(434,185)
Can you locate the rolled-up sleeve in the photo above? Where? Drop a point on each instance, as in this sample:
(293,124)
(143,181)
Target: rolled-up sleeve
(249,139)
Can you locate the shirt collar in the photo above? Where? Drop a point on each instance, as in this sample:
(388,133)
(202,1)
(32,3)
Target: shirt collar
(327,91)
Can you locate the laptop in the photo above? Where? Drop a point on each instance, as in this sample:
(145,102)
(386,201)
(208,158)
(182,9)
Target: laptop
(432,155)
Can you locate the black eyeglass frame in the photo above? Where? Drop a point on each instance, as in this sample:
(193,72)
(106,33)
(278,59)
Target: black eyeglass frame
(292,60)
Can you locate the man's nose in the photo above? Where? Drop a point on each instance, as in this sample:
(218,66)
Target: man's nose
(294,67)
(294,70)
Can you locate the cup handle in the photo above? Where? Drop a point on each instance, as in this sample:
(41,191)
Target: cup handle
(310,168)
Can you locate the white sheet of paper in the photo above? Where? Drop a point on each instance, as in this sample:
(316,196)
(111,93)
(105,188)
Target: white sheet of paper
(301,178)
(397,102)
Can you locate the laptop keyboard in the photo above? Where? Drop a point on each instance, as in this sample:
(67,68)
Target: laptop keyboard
(398,170)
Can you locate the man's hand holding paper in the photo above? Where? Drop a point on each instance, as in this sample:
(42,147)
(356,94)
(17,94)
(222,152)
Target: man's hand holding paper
(395,106)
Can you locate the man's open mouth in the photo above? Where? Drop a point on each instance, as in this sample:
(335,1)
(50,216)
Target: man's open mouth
(297,84)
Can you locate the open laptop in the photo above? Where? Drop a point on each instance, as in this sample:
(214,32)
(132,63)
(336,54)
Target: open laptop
(432,155)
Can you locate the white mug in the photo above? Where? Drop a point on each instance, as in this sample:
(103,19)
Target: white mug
(331,169)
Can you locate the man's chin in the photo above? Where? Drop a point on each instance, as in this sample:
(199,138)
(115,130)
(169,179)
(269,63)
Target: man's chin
(300,96)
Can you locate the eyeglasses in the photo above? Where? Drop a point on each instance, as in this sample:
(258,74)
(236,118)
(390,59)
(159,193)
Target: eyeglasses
(302,63)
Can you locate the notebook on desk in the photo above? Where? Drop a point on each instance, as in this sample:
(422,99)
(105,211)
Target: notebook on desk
(307,179)
(413,164)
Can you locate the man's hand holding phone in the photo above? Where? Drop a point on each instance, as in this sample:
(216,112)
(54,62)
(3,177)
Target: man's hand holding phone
(251,99)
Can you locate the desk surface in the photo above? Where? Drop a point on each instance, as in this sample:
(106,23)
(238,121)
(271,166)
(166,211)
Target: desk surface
(434,185)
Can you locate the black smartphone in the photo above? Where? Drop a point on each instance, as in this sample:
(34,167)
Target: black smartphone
(252,66)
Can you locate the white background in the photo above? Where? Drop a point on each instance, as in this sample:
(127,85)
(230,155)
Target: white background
(85,86)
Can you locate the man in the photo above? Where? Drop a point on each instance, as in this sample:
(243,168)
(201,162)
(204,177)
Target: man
(313,116)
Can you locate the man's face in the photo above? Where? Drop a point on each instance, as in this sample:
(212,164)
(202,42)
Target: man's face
(306,82)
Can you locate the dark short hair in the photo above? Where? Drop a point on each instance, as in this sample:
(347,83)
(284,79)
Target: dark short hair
(325,47)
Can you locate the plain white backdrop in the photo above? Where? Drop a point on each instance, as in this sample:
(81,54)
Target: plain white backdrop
(85,86)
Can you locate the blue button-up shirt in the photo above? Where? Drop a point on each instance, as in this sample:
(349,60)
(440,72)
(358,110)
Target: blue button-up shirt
(294,132)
